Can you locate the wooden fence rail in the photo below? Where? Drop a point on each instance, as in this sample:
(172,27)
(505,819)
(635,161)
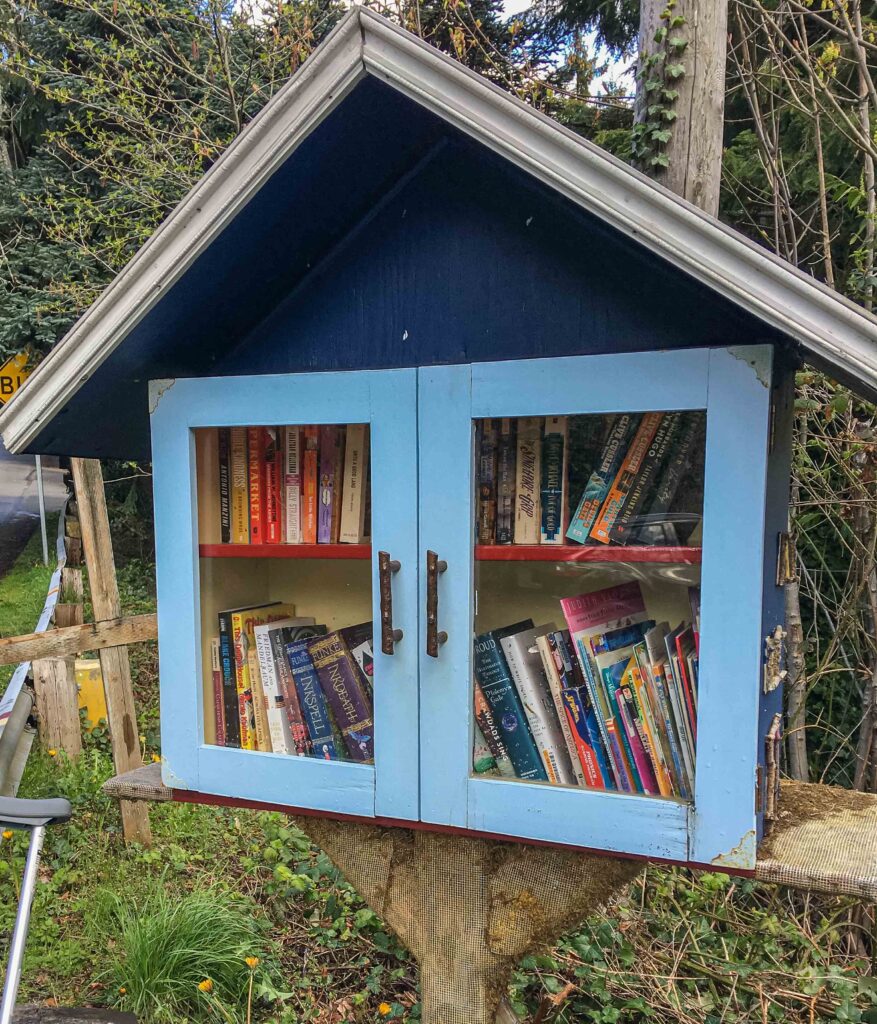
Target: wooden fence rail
(70,640)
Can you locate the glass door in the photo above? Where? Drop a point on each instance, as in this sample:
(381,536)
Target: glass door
(303,538)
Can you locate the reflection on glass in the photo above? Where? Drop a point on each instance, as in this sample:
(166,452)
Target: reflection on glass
(587,533)
(285,583)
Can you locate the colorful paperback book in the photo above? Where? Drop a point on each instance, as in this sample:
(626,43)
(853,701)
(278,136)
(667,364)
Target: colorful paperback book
(493,675)
(243,623)
(555,444)
(331,463)
(506,461)
(651,727)
(275,695)
(224,443)
(312,701)
(347,695)
(352,497)
(600,480)
(525,665)
(240,503)
(624,479)
(656,655)
(611,671)
(218,692)
(492,735)
(482,759)
(292,485)
(310,485)
(230,711)
(528,476)
(627,520)
(486,440)
(280,637)
(552,675)
(273,485)
(256,483)
(359,640)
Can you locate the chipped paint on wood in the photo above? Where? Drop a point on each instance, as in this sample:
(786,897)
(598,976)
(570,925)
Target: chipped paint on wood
(758,357)
(740,856)
(156,389)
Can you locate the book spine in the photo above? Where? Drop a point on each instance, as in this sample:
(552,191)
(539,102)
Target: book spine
(312,701)
(654,530)
(339,679)
(680,719)
(292,485)
(547,651)
(310,485)
(492,734)
(492,673)
(352,529)
(646,480)
(615,639)
(224,445)
(240,503)
(528,480)
(273,486)
(625,477)
(629,762)
(660,689)
(625,781)
(327,498)
(649,730)
(286,685)
(256,481)
(218,692)
(482,759)
(553,490)
(260,697)
(229,682)
(576,650)
(586,751)
(638,745)
(505,482)
(242,680)
(278,727)
(600,479)
(486,439)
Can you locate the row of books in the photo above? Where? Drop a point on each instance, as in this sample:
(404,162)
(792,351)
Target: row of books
(294,485)
(287,685)
(632,476)
(609,702)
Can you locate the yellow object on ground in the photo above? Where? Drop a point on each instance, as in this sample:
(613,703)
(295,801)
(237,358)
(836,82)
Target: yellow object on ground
(90,686)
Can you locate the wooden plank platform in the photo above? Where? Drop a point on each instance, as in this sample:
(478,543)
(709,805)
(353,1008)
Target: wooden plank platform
(57,1015)
(825,838)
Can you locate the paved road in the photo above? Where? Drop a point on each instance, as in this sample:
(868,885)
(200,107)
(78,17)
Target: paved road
(19,507)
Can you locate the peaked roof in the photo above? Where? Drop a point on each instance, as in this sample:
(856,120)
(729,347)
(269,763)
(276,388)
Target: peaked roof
(834,332)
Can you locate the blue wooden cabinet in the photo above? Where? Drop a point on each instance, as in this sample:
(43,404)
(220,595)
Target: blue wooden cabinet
(424,499)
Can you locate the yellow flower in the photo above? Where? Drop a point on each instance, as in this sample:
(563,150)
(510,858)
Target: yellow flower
(122,990)
(252,962)
(384,1009)
(205,986)
(53,752)
(155,759)
(8,834)
(142,738)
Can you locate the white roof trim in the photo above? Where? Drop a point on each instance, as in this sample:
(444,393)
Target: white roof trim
(833,329)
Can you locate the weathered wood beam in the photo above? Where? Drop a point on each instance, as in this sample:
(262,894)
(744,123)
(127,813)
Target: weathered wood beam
(57,705)
(69,640)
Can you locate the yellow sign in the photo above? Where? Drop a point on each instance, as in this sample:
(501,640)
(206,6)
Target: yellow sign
(12,375)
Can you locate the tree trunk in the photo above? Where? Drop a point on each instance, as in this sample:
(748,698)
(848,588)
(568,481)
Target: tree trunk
(694,151)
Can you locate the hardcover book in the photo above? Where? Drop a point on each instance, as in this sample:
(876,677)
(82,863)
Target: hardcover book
(553,493)
(347,696)
(359,642)
(279,725)
(505,481)
(601,478)
(218,693)
(331,455)
(552,675)
(224,441)
(292,485)
(273,518)
(310,485)
(312,701)
(230,713)
(528,476)
(240,503)
(280,638)
(256,483)
(625,477)
(492,735)
(352,498)
(486,448)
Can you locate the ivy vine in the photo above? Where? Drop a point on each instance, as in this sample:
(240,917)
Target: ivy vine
(658,74)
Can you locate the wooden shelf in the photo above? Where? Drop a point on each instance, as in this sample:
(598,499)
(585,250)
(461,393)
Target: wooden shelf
(585,553)
(285,551)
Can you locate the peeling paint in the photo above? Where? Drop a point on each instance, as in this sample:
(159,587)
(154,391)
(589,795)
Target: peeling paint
(740,856)
(169,778)
(760,362)
(156,389)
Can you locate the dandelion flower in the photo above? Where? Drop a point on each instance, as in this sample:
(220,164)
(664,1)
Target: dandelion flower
(252,962)
(384,1009)
(155,759)
(53,752)
(122,990)
(205,986)
(8,834)
(142,738)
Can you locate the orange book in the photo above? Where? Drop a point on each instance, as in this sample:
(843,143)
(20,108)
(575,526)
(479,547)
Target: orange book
(309,483)
(625,477)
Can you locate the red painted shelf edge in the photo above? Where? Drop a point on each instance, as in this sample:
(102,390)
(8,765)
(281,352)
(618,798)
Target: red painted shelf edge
(285,550)
(584,553)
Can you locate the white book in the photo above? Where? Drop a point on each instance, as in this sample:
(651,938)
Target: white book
(553,678)
(353,498)
(278,724)
(292,485)
(525,665)
(528,476)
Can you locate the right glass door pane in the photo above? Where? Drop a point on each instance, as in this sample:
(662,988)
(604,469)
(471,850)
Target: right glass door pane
(587,540)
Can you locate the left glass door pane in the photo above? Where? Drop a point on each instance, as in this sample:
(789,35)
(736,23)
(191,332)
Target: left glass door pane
(284,524)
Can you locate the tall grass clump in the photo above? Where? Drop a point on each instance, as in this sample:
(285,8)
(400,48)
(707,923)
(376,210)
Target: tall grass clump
(162,949)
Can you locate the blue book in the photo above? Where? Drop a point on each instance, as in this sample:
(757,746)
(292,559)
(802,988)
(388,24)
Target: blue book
(314,710)
(612,680)
(581,717)
(600,480)
(493,674)
(624,636)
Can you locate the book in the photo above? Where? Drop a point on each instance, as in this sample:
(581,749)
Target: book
(230,711)
(493,676)
(624,478)
(331,463)
(359,640)
(251,703)
(486,723)
(599,481)
(280,637)
(528,676)
(553,483)
(627,521)
(312,701)
(528,475)
(352,498)
(506,453)
(651,724)
(310,484)
(638,734)
(482,759)
(224,445)
(486,438)
(684,647)
(256,483)
(218,692)
(611,669)
(347,696)
(240,503)
(279,725)
(656,655)
(273,480)
(552,676)
(292,460)
(654,527)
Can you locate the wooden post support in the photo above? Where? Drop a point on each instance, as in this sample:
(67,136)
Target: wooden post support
(98,548)
(69,610)
(57,705)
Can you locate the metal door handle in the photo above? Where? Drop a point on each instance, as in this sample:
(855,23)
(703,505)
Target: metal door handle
(386,567)
(434,636)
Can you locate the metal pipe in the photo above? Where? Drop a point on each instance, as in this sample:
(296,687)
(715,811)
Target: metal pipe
(12,733)
(22,920)
(41,498)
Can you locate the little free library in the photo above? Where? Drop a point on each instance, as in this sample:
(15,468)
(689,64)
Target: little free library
(471,454)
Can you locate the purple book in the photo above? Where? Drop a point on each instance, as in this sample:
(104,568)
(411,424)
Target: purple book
(328,504)
(346,694)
